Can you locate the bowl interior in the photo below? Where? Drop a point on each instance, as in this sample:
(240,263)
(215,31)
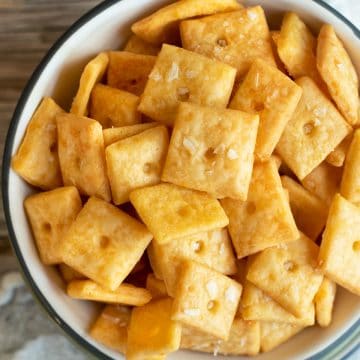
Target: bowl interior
(58,77)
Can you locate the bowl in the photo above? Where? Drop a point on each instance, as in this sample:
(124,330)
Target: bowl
(108,26)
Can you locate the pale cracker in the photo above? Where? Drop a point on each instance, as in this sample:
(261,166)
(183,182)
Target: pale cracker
(324,302)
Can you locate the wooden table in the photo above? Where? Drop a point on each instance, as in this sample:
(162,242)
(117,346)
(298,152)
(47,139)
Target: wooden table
(28,28)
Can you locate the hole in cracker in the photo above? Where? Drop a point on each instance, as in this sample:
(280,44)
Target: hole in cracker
(250,207)
(308,128)
(212,306)
(184,211)
(356,246)
(53,147)
(210,154)
(198,246)
(183,93)
(258,106)
(222,42)
(133,82)
(46,227)
(104,241)
(289,265)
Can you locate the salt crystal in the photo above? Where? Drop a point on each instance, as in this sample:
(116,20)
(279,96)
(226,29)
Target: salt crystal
(196,246)
(192,312)
(251,15)
(232,294)
(317,122)
(232,154)
(173,72)
(212,288)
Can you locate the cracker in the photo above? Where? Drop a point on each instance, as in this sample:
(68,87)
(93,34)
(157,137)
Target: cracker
(275,34)
(324,302)
(128,71)
(69,274)
(50,215)
(156,287)
(125,294)
(309,211)
(104,243)
(212,248)
(113,135)
(339,73)
(172,212)
(288,274)
(110,328)
(315,129)
(152,332)
(296,47)
(36,159)
(236,38)
(263,220)
(274,334)
(113,107)
(350,183)
(92,74)
(206,299)
(136,162)
(340,247)
(274,96)
(181,75)
(338,155)
(137,45)
(81,155)
(212,150)
(162,26)
(244,339)
(323,181)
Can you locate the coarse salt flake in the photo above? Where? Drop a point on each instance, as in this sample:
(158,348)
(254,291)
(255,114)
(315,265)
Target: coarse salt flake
(251,15)
(173,72)
(232,294)
(212,288)
(232,154)
(155,75)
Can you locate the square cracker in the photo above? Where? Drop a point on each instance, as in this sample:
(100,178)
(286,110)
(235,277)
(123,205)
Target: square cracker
(113,135)
(350,183)
(324,302)
(125,294)
(288,274)
(309,211)
(212,248)
(274,334)
(274,96)
(50,214)
(263,220)
(36,159)
(315,129)
(236,38)
(82,156)
(128,71)
(137,45)
(255,305)
(136,161)
(171,212)
(156,287)
(339,73)
(110,328)
(338,155)
(339,256)
(206,300)
(181,75)
(323,181)
(212,150)
(113,107)
(92,74)
(69,274)
(244,339)
(151,331)
(296,46)
(104,243)
(163,25)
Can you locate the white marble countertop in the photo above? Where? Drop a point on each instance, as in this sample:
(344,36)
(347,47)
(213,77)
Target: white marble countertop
(26,333)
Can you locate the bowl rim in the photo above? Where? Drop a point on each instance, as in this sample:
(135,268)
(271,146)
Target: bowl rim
(345,345)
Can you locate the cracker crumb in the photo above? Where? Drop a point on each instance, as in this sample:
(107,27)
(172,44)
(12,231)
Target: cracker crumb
(231,294)
(251,15)
(220,149)
(192,312)
(212,288)
(155,75)
(232,154)
(173,72)
(189,145)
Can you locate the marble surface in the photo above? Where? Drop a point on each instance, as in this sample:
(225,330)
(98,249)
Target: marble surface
(26,332)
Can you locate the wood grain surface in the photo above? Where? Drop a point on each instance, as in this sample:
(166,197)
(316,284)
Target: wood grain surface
(28,28)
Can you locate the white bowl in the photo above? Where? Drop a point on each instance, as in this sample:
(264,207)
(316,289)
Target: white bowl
(107,27)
